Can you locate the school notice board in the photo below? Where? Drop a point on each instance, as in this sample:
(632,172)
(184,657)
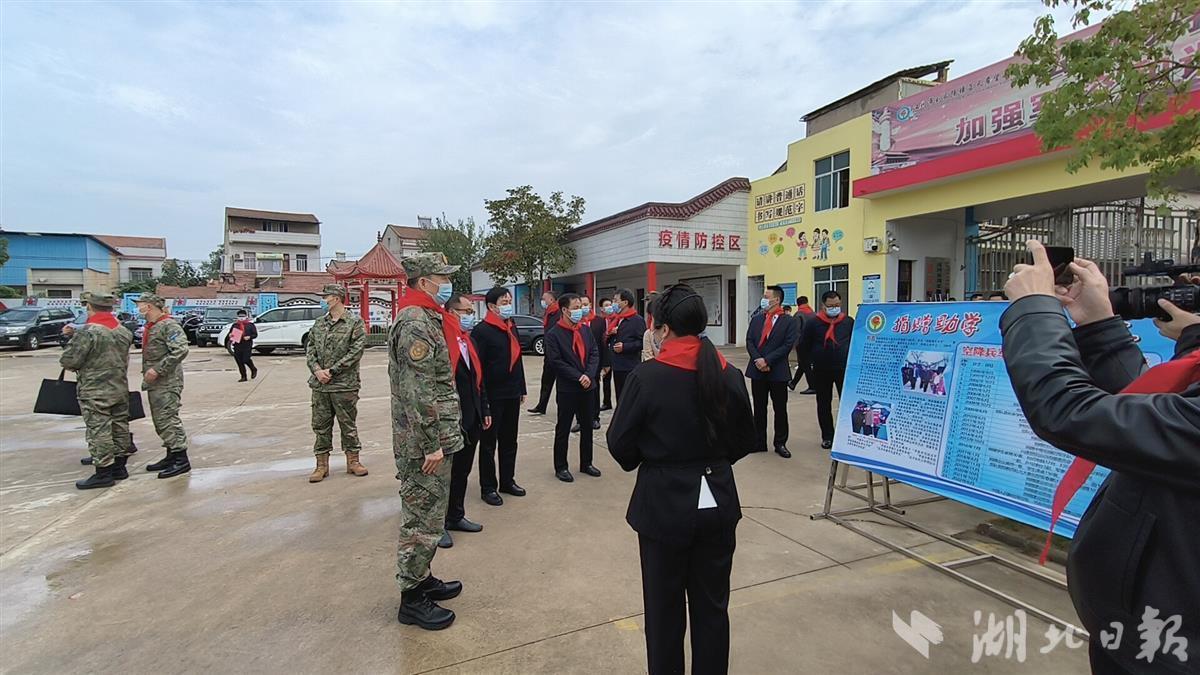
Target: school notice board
(927,401)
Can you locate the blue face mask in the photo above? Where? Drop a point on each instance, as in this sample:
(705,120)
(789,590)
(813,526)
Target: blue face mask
(833,311)
(444,293)
(545,305)
(506,311)
(764,303)
(611,309)
(468,321)
(577,315)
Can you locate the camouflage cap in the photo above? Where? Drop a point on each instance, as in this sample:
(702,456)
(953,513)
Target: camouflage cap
(152,299)
(103,300)
(425,264)
(334,289)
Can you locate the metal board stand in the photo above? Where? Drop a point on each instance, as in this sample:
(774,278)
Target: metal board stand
(894,510)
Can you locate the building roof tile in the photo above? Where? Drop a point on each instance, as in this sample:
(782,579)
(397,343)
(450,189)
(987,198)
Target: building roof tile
(664,210)
(234,212)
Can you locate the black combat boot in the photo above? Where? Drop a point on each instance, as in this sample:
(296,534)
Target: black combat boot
(86,461)
(437,589)
(119,472)
(416,609)
(179,464)
(161,464)
(103,478)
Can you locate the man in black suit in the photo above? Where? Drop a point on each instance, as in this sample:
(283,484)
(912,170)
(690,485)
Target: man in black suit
(769,342)
(504,383)
(476,415)
(825,346)
(599,328)
(626,331)
(550,316)
(572,353)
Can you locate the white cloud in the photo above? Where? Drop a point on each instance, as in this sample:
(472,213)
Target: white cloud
(144,101)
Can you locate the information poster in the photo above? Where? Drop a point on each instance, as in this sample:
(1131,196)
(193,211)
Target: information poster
(927,401)
(708,288)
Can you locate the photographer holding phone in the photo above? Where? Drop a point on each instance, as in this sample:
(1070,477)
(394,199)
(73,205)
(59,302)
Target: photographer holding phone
(1136,555)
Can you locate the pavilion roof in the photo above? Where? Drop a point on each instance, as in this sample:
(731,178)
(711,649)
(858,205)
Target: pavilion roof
(378,263)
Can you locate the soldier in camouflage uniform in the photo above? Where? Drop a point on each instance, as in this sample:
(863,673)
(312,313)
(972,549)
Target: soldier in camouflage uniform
(335,348)
(98,353)
(425,434)
(164,347)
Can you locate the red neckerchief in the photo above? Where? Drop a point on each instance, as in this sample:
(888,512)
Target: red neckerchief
(576,339)
(451,330)
(546,316)
(830,335)
(509,327)
(1171,377)
(105,319)
(614,321)
(682,353)
(152,324)
(804,309)
(241,324)
(772,315)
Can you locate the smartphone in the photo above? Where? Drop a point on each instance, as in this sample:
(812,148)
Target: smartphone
(1060,258)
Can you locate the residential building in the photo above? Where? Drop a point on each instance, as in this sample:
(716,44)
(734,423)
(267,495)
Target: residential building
(58,265)
(140,258)
(269,243)
(403,241)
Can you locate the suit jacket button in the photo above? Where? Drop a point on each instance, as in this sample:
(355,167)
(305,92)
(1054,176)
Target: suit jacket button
(708,470)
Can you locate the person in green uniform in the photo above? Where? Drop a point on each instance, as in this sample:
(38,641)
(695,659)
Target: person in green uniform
(335,348)
(164,347)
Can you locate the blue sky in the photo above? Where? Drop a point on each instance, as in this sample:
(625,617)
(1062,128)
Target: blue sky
(149,118)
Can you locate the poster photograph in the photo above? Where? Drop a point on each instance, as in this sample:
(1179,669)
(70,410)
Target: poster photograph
(708,288)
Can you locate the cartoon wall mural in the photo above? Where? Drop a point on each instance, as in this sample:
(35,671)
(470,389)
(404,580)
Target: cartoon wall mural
(818,245)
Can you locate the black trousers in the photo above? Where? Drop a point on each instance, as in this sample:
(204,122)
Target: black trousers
(506,415)
(802,369)
(460,470)
(547,385)
(241,355)
(699,571)
(606,380)
(572,405)
(619,377)
(824,381)
(778,393)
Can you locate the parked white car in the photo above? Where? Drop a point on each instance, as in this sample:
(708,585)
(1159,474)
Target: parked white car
(279,327)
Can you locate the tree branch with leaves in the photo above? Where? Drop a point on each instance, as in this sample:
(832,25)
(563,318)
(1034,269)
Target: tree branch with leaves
(529,236)
(462,243)
(1132,68)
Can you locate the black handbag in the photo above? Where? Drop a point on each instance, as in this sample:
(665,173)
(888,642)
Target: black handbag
(60,397)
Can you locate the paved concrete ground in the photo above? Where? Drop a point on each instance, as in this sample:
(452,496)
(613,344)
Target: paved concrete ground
(242,566)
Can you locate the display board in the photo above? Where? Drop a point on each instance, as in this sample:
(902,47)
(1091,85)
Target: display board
(927,401)
(708,288)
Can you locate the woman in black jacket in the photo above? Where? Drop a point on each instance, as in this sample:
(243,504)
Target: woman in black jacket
(244,346)
(684,418)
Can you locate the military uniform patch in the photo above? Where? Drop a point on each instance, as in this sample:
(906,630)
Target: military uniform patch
(419,350)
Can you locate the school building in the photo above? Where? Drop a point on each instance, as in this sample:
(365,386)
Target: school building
(919,187)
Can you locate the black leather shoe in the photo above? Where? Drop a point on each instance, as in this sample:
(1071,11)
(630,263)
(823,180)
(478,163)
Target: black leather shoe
(759,450)
(436,589)
(595,425)
(565,476)
(606,406)
(591,471)
(101,479)
(160,464)
(575,429)
(243,380)
(492,499)
(86,461)
(514,490)
(464,525)
(809,392)
(179,465)
(416,609)
(253,373)
(783,452)
(119,472)
(792,386)
(827,444)
(536,411)
(445,541)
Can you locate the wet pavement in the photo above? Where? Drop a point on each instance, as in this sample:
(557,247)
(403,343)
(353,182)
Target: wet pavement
(243,566)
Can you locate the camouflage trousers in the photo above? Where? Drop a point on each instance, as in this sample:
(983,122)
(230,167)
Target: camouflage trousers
(328,405)
(164,408)
(107,425)
(423,502)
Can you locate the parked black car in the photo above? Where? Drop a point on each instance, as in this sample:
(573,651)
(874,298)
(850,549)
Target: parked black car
(191,323)
(214,321)
(129,321)
(530,333)
(32,327)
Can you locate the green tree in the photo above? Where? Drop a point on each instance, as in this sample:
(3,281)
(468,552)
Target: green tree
(3,251)
(462,242)
(180,273)
(1126,70)
(529,236)
(211,268)
(139,286)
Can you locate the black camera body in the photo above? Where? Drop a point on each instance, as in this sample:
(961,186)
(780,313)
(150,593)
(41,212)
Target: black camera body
(1141,302)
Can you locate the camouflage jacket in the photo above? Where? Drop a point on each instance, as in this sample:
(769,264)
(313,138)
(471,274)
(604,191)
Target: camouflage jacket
(164,347)
(100,357)
(338,346)
(425,412)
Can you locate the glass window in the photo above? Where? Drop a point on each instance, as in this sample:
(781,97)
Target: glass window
(831,278)
(296,314)
(269,266)
(249,261)
(301,263)
(833,181)
(272,316)
(44,315)
(314,313)
(527,322)
(62,314)
(140,273)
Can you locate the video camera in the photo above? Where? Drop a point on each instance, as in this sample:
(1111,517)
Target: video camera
(1141,302)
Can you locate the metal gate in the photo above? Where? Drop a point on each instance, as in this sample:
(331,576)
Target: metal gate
(1114,236)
